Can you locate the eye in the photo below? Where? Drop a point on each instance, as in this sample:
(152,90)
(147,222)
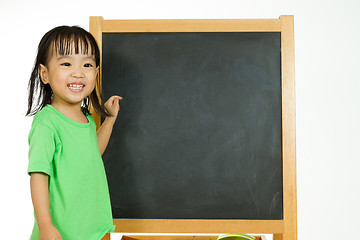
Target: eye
(87,65)
(66,64)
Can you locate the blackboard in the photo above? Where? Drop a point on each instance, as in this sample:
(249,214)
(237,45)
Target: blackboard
(199,134)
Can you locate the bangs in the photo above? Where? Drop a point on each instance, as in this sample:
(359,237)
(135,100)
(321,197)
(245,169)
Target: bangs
(73,45)
(73,40)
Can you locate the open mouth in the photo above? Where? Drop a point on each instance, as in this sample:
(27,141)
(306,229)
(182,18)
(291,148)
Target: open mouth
(75,87)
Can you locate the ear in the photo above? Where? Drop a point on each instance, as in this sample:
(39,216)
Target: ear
(43,72)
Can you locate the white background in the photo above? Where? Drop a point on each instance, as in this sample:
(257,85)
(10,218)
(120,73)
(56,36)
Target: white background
(327,54)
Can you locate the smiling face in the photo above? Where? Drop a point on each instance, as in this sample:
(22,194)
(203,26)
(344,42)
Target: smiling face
(72,77)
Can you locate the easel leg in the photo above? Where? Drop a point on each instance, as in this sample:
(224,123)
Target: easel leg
(106,237)
(278,237)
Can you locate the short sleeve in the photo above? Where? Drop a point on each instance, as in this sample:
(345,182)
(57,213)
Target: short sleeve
(41,149)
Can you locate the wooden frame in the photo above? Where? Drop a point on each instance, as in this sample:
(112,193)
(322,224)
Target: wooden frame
(282,229)
(136,236)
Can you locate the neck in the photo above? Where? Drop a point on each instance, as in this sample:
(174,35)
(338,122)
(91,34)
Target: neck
(72,111)
(74,108)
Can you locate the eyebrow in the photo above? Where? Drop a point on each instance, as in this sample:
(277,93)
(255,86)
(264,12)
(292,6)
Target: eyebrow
(67,56)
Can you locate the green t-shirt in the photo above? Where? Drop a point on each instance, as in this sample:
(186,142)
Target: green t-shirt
(68,152)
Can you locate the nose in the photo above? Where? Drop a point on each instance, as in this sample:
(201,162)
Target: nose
(77,73)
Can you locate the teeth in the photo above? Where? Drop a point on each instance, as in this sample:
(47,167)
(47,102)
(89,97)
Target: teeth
(76,86)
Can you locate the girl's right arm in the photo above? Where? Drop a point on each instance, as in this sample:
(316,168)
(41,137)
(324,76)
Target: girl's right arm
(40,199)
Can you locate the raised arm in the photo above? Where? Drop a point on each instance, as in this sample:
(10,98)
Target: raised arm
(105,130)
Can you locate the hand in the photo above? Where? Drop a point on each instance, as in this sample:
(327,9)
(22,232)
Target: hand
(112,105)
(104,132)
(49,232)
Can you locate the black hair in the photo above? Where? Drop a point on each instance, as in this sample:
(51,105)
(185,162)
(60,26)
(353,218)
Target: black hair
(63,40)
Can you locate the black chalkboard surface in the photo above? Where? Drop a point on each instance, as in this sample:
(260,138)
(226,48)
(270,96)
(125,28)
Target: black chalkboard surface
(199,132)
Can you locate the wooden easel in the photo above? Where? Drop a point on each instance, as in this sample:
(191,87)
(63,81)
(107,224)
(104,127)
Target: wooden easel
(281,229)
(169,237)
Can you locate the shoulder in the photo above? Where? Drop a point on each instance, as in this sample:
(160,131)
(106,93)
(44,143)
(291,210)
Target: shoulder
(41,131)
(45,118)
(91,120)
(88,114)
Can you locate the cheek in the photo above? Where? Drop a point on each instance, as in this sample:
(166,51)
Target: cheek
(91,82)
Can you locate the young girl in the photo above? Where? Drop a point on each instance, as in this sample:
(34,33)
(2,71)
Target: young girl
(68,183)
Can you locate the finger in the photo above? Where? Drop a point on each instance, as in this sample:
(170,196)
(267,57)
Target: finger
(112,99)
(117,103)
(115,98)
(118,97)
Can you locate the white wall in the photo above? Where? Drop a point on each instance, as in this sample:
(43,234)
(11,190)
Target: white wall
(327,97)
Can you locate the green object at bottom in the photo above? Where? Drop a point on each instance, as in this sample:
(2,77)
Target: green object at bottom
(236,237)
